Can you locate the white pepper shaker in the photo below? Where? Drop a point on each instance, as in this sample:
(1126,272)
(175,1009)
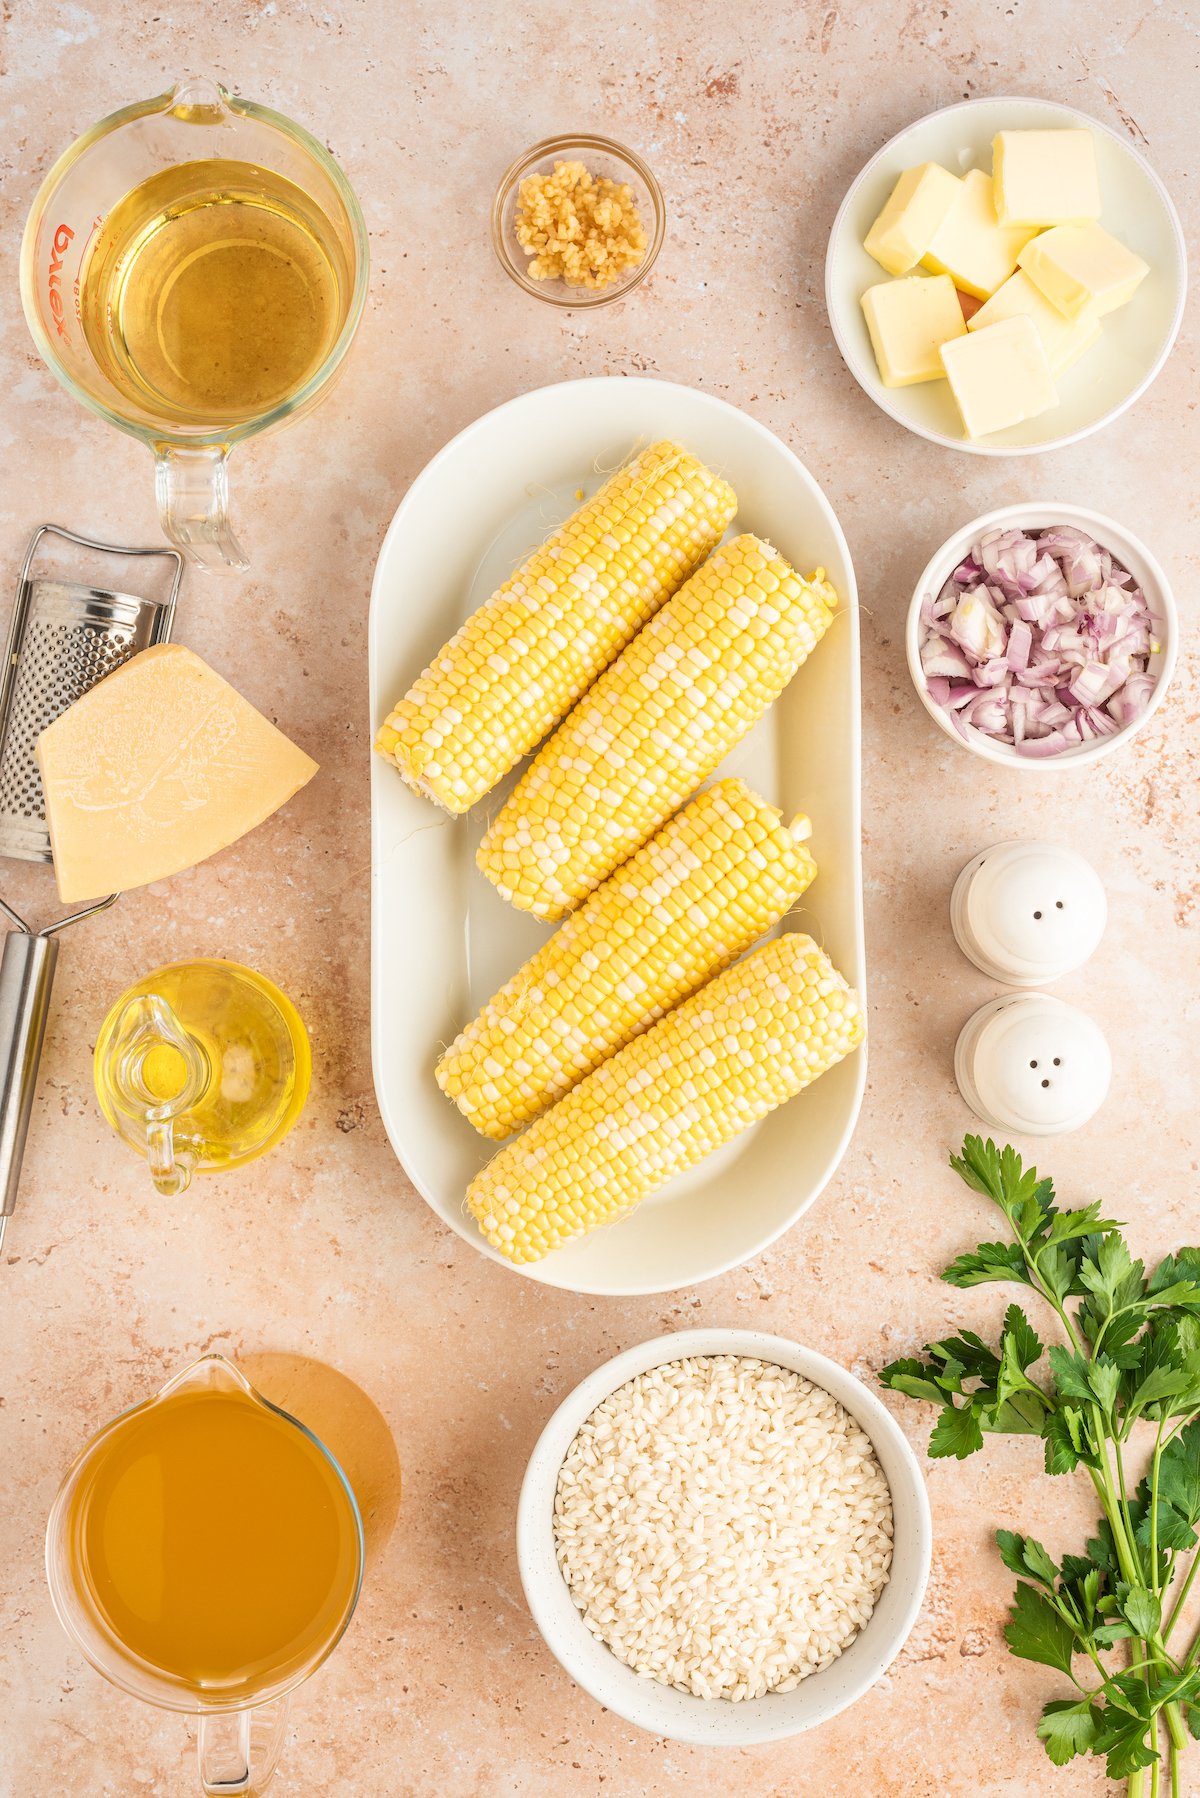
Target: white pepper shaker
(1032,1064)
(1027,913)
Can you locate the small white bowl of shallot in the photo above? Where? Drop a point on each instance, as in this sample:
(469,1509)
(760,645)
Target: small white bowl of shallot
(1042,636)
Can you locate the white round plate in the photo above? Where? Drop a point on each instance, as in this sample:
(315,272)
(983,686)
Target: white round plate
(660,1708)
(442,938)
(1137,339)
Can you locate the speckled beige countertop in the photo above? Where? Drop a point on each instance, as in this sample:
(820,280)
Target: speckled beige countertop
(755,118)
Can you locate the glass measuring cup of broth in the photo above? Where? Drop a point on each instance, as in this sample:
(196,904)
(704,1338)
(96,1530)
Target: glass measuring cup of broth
(194,269)
(205,1552)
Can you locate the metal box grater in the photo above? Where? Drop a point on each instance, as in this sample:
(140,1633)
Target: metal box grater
(64,637)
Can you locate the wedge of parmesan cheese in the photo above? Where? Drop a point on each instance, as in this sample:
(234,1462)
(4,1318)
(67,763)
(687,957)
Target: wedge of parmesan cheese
(159,766)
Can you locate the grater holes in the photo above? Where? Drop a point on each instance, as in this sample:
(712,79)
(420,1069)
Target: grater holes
(59,661)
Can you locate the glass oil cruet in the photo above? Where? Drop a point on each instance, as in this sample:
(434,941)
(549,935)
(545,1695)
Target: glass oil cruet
(200,1066)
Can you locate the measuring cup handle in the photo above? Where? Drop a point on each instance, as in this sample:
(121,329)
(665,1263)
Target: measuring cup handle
(192,486)
(26,976)
(239,1751)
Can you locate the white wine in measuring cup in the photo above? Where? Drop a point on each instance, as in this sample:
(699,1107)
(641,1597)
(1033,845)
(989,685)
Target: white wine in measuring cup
(212,292)
(194,269)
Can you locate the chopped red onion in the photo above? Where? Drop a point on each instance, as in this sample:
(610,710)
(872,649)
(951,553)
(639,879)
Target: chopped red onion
(1040,640)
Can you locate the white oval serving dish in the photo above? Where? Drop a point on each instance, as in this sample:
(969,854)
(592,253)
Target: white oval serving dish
(442,939)
(1137,340)
(660,1708)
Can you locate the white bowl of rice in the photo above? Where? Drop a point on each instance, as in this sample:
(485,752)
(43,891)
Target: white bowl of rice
(723,1537)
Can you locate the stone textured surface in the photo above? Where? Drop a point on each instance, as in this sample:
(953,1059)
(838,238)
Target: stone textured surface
(755,117)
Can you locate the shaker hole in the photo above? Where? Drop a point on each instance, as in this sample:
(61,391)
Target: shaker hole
(1058,1061)
(1058,905)
(1033,1064)
(1037,914)
(1045,1083)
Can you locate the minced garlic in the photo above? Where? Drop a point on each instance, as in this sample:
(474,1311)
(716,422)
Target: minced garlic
(578,228)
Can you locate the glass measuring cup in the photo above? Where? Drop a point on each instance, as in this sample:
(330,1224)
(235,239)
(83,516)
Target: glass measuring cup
(196,123)
(205,1553)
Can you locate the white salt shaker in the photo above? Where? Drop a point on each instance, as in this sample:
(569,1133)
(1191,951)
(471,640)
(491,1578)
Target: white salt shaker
(1028,913)
(1031,1063)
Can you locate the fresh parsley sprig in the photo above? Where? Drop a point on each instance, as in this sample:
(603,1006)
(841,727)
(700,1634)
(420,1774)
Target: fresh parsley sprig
(1129,1353)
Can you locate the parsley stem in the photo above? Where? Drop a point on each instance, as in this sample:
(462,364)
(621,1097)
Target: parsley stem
(1158,1449)
(1182,1599)
(1128,1521)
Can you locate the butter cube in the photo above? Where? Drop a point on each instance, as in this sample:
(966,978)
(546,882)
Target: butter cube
(999,376)
(1045,177)
(1081,266)
(971,245)
(1063,339)
(905,228)
(909,321)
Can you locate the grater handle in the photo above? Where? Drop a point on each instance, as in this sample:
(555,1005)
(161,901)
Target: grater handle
(26,976)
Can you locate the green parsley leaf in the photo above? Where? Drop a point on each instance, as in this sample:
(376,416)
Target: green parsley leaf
(999,1176)
(1067,1728)
(1067,1225)
(1104,1378)
(1131,1690)
(1179,1471)
(956,1433)
(1067,1440)
(1159,1383)
(1110,1274)
(1026,1556)
(990,1261)
(1182,1269)
(970,1353)
(1037,1630)
(1128,1752)
(909,1376)
(1059,1267)
(1140,1609)
(1026,1348)
(1070,1375)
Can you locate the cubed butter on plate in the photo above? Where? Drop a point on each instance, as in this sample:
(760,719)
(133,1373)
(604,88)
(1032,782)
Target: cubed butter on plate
(1079,267)
(1045,177)
(971,245)
(999,376)
(1063,339)
(909,320)
(915,211)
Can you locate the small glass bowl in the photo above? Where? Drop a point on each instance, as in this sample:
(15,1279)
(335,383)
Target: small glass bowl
(603,157)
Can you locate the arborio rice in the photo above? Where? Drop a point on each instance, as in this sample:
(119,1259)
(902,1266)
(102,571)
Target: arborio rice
(723,1526)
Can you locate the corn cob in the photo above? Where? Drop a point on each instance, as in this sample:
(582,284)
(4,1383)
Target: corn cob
(750,1039)
(689,686)
(690,901)
(521,661)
